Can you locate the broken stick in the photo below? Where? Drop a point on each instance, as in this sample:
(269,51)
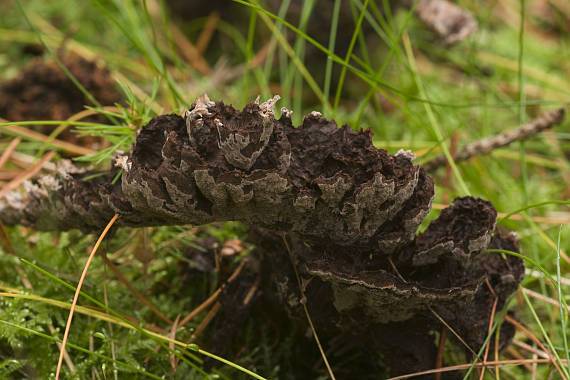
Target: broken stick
(487,145)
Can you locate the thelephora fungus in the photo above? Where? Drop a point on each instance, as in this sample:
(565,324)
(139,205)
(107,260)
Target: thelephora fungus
(348,211)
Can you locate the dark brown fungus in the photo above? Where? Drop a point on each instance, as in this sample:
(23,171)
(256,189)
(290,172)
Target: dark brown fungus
(350,212)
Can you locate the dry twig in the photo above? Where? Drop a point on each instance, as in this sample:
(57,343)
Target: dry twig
(487,145)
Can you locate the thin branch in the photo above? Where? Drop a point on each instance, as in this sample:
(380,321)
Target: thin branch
(8,152)
(487,145)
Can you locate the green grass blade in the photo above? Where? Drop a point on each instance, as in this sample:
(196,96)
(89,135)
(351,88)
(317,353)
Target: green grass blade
(434,124)
(545,335)
(561,299)
(506,217)
(331,47)
(347,57)
(114,313)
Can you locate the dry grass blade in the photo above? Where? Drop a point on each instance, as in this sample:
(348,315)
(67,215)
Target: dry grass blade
(76,296)
(515,354)
(530,349)
(205,322)
(441,346)
(109,324)
(36,136)
(212,298)
(189,51)
(66,356)
(202,326)
(16,182)
(491,321)
(538,343)
(461,367)
(207,33)
(8,152)
(543,298)
(452,330)
(171,344)
(23,161)
(487,145)
(204,305)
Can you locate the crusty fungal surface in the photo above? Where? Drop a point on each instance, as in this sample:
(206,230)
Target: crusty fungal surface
(317,180)
(394,304)
(351,212)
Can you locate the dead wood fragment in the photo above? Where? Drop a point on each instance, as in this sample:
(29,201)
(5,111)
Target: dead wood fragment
(449,21)
(220,164)
(487,145)
(351,212)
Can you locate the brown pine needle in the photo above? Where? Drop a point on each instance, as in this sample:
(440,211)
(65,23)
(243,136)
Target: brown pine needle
(251,293)
(491,321)
(16,182)
(529,348)
(452,330)
(109,324)
(8,152)
(171,343)
(439,357)
(204,305)
(201,308)
(37,136)
(552,359)
(66,356)
(8,175)
(78,289)
(487,145)
(461,367)
(137,294)
(212,298)
(515,354)
(189,51)
(207,32)
(205,322)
